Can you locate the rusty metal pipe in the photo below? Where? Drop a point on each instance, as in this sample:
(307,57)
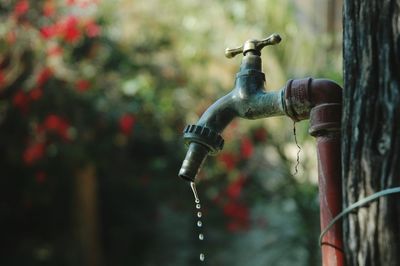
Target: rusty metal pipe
(320,100)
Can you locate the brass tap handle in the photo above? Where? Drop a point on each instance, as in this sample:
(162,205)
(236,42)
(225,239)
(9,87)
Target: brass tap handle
(232,52)
(253,45)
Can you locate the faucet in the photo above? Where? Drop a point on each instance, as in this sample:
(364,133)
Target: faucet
(248,100)
(316,99)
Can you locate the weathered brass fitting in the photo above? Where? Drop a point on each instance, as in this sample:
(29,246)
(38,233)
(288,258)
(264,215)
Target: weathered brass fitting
(254,46)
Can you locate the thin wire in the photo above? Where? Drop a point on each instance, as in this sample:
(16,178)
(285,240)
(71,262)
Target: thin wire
(298,151)
(357,205)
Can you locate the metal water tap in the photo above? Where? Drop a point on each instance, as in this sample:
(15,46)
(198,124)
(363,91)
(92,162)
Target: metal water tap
(316,99)
(248,100)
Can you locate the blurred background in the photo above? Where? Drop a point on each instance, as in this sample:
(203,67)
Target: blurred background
(93,99)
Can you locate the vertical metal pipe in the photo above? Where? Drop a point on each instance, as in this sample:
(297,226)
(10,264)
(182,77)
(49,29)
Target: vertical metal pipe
(324,98)
(325,127)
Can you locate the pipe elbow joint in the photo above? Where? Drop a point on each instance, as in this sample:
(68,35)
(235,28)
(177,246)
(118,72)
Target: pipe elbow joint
(325,91)
(301,95)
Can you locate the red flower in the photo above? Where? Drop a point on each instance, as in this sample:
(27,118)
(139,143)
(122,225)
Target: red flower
(82,85)
(126,123)
(229,160)
(35,94)
(21,8)
(56,124)
(33,153)
(69,29)
(235,188)
(21,101)
(246,148)
(92,29)
(43,76)
(70,2)
(48,32)
(66,28)
(52,122)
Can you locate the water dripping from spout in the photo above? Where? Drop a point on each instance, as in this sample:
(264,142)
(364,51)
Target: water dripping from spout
(196,197)
(199,215)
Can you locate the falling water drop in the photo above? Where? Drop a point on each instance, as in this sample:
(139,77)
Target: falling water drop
(196,197)
(199,224)
(198,206)
(201,236)
(199,214)
(202,257)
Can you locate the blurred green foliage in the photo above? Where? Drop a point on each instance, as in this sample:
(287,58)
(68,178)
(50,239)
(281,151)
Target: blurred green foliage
(109,86)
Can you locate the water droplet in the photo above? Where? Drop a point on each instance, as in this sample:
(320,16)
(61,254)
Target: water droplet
(199,214)
(202,257)
(198,206)
(199,224)
(196,197)
(201,236)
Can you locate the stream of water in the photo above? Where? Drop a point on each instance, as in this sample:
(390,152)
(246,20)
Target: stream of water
(199,215)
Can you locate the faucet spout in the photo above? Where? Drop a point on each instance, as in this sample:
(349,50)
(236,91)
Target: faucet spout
(195,157)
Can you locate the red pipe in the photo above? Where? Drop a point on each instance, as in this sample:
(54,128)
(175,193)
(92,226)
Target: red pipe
(325,126)
(320,100)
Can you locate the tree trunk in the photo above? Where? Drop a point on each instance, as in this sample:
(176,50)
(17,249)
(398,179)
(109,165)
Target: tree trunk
(371,130)
(86,211)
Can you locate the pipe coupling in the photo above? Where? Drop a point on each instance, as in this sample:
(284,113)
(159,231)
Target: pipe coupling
(297,102)
(205,136)
(325,118)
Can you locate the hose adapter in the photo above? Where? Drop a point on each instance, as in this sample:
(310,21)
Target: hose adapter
(205,136)
(202,141)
